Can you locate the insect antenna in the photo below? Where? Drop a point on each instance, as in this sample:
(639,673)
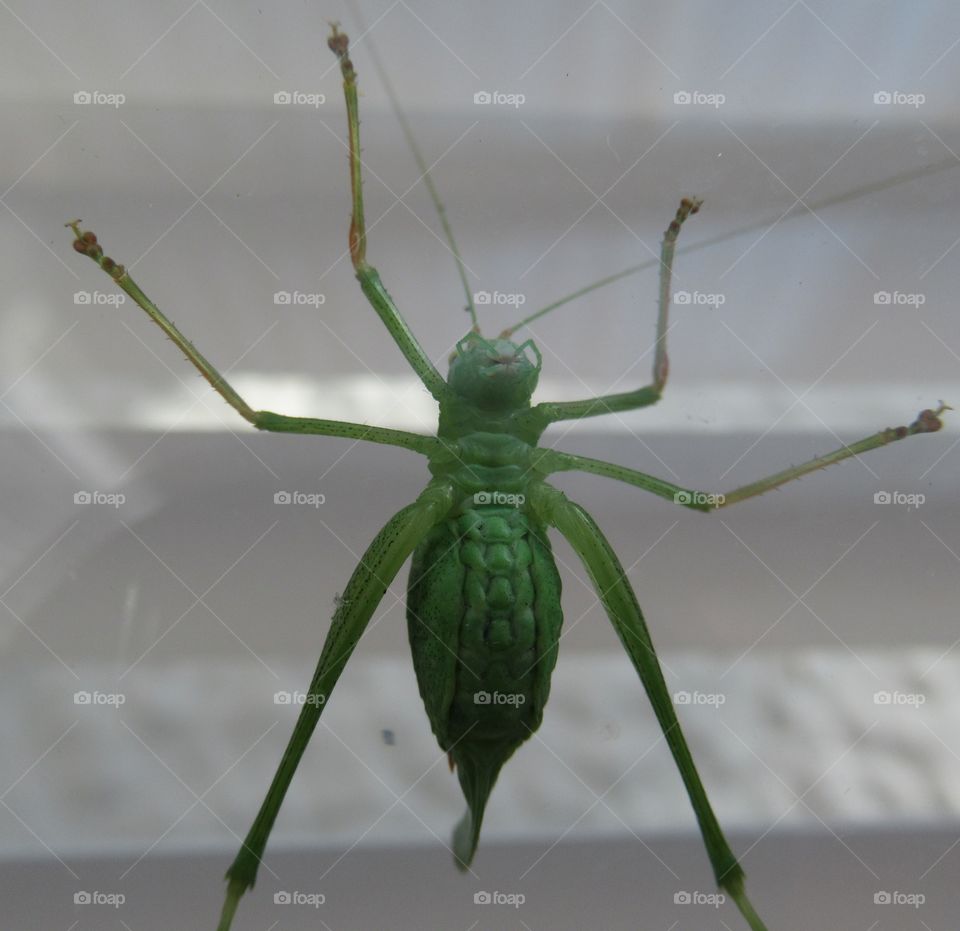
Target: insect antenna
(422,166)
(797,210)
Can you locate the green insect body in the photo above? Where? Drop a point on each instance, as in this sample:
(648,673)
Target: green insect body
(484,620)
(483,602)
(483,599)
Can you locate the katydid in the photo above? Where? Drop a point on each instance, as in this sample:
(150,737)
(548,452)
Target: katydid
(483,598)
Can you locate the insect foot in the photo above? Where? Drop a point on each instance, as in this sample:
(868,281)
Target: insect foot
(688,207)
(927,421)
(86,244)
(338,41)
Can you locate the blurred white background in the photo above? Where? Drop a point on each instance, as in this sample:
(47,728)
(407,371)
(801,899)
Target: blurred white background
(199,598)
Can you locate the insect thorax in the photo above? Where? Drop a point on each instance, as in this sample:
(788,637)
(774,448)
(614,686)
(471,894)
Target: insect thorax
(482,463)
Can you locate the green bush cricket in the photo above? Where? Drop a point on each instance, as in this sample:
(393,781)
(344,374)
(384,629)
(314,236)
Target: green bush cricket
(483,600)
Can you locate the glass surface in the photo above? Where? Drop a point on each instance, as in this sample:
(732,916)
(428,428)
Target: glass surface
(197,598)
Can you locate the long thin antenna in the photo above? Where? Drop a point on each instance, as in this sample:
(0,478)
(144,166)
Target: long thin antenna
(418,158)
(797,210)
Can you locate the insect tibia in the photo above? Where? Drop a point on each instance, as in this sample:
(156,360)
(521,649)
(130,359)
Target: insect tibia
(661,371)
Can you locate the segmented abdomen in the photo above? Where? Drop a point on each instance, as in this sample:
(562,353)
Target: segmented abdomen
(483,614)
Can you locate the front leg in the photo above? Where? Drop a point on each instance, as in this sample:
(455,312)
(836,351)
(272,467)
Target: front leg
(367,275)
(928,421)
(642,397)
(86,244)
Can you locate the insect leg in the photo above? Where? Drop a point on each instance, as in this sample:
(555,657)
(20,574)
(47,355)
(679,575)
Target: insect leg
(798,210)
(620,603)
(422,165)
(377,568)
(928,421)
(86,243)
(367,275)
(553,460)
(642,397)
